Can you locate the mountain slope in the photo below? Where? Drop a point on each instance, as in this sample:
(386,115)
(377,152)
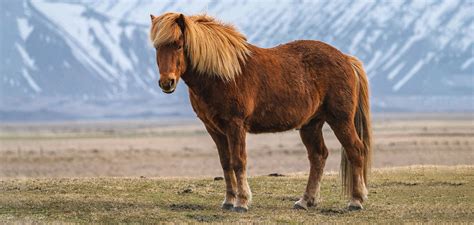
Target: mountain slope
(87,57)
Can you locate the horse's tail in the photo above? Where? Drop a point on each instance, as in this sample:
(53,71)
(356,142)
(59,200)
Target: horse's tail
(362,124)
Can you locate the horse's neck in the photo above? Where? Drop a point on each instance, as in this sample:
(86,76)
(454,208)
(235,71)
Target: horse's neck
(200,84)
(208,85)
(203,83)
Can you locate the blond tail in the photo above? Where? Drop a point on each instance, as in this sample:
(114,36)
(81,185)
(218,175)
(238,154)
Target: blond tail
(362,124)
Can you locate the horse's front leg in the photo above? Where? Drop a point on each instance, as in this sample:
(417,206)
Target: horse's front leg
(229,175)
(236,139)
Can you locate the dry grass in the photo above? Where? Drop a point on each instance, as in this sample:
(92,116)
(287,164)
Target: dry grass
(413,194)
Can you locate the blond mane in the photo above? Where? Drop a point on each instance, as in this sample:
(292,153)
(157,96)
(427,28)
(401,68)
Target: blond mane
(213,47)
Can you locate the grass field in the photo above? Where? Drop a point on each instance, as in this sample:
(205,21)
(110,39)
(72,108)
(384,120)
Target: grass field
(408,194)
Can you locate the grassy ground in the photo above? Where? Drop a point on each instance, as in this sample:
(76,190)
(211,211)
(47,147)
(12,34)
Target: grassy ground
(417,194)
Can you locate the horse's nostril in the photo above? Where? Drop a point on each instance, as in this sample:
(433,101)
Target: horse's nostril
(171,83)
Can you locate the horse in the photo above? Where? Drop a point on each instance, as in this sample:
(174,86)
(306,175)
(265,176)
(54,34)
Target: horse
(237,88)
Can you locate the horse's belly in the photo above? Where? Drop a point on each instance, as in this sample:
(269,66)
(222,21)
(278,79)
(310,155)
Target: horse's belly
(278,120)
(256,128)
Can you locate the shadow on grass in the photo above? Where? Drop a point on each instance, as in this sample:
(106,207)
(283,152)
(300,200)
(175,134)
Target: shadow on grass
(206,218)
(185,206)
(333,211)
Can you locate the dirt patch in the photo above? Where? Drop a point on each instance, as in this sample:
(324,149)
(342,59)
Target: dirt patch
(333,211)
(206,218)
(154,149)
(180,207)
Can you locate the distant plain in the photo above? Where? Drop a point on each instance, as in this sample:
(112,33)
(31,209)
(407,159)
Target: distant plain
(170,148)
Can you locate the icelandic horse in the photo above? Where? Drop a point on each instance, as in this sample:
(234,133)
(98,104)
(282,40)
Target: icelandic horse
(237,88)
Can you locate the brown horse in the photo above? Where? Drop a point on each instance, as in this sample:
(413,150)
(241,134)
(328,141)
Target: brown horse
(238,88)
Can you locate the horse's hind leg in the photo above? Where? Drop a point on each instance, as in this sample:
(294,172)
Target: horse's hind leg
(229,175)
(345,131)
(312,137)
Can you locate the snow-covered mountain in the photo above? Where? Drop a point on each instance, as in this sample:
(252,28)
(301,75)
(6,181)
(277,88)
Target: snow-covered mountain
(92,59)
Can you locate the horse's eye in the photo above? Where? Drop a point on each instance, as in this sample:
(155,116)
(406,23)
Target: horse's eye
(179,47)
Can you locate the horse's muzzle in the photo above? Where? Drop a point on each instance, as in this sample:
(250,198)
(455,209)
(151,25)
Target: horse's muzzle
(167,86)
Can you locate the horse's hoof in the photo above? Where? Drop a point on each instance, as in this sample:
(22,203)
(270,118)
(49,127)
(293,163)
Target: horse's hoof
(227,206)
(299,207)
(301,204)
(239,209)
(355,206)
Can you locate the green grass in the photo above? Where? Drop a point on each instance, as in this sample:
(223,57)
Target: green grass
(421,194)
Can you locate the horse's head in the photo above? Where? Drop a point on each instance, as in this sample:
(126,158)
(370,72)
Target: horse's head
(170,56)
(197,43)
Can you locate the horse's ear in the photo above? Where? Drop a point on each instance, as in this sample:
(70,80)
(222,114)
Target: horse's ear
(152,17)
(181,23)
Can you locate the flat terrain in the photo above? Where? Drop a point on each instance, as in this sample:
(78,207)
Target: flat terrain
(183,148)
(149,171)
(410,194)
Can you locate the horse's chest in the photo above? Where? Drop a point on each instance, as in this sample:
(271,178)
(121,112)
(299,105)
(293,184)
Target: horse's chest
(212,114)
(200,107)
